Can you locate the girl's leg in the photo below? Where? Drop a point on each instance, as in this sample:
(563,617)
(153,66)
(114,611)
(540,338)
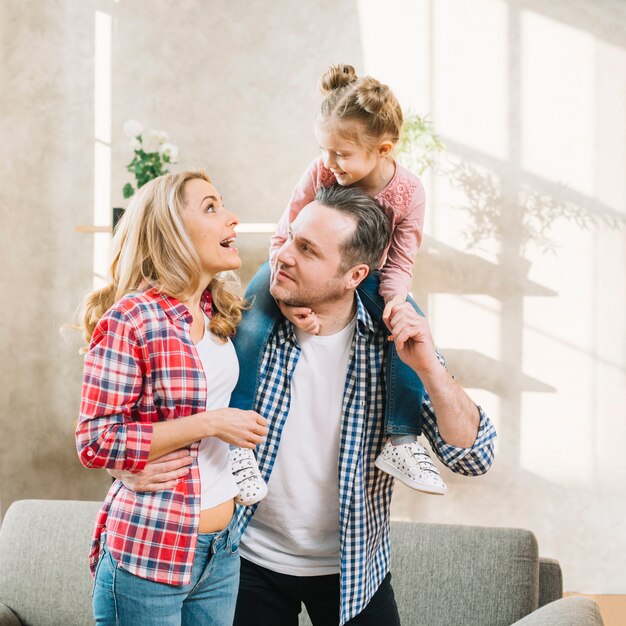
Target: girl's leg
(250,340)
(402,456)
(405,391)
(252,336)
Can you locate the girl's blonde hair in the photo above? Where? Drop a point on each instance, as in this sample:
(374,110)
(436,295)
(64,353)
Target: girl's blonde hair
(349,98)
(151,248)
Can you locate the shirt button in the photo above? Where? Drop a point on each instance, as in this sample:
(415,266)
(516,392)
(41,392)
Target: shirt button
(89,452)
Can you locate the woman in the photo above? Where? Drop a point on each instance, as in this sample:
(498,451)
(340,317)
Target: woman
(157,378)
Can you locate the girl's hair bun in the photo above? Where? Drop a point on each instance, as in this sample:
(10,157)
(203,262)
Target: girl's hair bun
(336,77)
(372,95)
(348,98)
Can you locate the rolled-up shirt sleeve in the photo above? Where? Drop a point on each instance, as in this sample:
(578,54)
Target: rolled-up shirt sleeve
(472,461)
(107,436)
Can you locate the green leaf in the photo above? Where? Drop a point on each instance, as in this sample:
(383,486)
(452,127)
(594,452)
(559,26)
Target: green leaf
(144,167)
(128,190)
(419,144)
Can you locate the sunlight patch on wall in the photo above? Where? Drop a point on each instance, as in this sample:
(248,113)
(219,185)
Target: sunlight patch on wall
(558,430)
(395,38)
(557,68)
(470,74)
(102,143)
(464,322)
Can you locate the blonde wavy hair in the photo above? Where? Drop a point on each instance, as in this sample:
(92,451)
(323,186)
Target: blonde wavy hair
(151,248)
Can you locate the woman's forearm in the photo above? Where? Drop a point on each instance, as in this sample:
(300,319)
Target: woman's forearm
(175,434)
(234,426)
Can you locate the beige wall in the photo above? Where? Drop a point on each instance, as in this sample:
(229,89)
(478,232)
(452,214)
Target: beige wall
(532,100)
(527,102)
(46,126)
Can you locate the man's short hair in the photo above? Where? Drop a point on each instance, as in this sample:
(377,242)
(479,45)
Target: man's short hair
(373,229)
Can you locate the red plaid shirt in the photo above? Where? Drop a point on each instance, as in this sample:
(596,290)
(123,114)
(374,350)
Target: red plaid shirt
(142,367)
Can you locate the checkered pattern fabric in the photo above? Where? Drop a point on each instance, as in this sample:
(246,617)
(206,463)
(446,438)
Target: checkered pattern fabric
(365,492)
(141,368)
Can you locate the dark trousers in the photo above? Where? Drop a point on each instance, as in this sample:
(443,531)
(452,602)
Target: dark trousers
(267,598)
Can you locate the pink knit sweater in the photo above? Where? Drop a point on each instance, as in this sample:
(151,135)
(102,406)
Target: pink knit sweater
(403,201)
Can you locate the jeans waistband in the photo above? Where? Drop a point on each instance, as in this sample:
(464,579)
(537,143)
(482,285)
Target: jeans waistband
(228,538)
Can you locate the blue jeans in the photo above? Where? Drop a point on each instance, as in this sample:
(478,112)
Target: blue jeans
(405,391)
(123,599)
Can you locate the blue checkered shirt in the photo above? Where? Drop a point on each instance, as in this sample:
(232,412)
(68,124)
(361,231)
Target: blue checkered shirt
(364,491)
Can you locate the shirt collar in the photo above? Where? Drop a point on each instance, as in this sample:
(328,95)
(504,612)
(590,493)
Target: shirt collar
(285,330)
(175,309)
(365,325)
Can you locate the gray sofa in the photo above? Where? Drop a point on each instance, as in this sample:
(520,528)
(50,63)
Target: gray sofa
(442,575)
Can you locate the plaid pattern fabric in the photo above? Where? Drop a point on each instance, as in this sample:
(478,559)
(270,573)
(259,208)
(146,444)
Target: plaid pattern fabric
(365,493)
(141,368)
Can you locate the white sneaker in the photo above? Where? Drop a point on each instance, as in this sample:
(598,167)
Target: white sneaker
(245,470)
(411,464)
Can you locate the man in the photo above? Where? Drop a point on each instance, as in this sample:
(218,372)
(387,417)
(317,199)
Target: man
(321,536)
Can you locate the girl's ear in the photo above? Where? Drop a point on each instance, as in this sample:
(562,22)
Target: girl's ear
(385,148)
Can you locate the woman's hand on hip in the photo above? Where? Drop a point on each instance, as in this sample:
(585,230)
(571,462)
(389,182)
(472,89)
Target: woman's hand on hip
(158,475)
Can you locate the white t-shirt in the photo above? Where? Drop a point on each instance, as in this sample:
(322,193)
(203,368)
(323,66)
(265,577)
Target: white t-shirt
(295,529)
(221,369)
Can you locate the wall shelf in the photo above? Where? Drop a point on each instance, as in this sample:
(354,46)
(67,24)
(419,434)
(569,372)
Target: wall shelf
(86,228)
(244,227)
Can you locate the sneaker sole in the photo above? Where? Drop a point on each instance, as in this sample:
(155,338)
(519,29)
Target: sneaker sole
(383,466)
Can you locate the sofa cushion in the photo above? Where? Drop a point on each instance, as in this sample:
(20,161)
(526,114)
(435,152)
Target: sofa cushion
(44,571)
(565,612)
(450,575)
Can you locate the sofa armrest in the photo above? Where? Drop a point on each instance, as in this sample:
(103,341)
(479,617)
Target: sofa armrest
(565,612)
(7,617)
(550,581)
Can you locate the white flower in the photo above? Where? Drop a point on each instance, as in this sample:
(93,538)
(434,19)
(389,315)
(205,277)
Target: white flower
(132,128)
(160,136)
(134,144)
(170,151)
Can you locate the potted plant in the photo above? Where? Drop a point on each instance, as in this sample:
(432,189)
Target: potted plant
(150,159)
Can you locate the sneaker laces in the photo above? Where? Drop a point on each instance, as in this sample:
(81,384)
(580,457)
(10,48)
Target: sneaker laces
(422,458)
(243,466)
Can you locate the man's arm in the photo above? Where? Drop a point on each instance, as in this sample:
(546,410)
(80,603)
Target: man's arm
(458,417)
(158,475)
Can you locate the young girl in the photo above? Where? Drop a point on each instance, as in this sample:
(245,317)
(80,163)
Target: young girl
(157,378)
(359,124)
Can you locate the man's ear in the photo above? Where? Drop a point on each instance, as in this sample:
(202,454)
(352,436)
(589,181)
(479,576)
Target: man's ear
(357,275)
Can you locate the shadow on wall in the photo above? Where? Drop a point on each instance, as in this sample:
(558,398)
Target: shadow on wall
(527,218)
(511,204)
(512,216)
